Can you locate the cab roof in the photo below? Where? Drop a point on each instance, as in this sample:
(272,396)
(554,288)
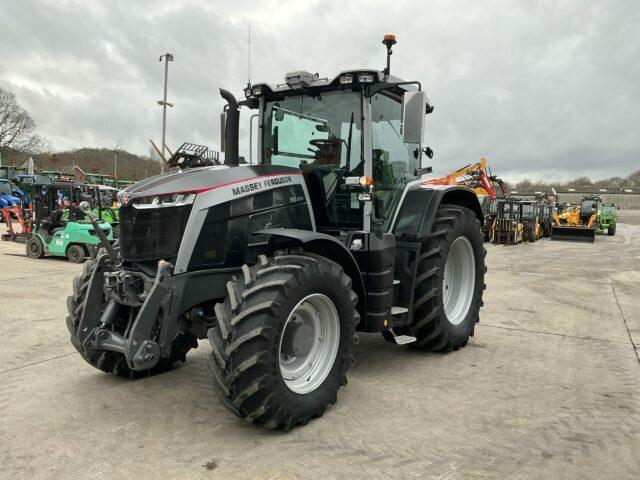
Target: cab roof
(297,80)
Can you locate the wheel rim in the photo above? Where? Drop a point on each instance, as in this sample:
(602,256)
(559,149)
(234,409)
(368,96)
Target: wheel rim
(458,281)
(73,254)
(34,248)
(309,343)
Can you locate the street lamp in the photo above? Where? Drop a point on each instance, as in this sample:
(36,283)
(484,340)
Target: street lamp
(115,159)
(168,57)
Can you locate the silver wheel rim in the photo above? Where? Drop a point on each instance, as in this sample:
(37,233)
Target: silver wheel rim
(315,324)
(458,281)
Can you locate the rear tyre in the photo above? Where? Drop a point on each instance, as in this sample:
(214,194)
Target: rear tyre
(107,360)
(75,254)
(611,231)
(35,248)
(450,281)
(283,339)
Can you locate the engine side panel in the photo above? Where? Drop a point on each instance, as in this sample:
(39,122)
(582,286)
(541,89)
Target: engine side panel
(223,218)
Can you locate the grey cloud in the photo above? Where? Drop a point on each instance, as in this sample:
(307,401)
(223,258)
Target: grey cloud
(542,89)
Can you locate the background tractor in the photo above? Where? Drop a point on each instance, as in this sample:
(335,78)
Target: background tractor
(279,263)
(607,215)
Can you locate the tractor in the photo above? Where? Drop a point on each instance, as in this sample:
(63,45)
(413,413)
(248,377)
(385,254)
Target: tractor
(328,232)
(606,220)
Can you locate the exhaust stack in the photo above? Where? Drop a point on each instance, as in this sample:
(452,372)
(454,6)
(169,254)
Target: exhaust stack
(231,128)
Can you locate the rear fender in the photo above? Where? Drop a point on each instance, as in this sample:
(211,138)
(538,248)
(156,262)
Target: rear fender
(321,244)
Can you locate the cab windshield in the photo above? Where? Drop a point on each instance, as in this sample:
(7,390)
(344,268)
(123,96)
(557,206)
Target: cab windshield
(527,211)
(321,135)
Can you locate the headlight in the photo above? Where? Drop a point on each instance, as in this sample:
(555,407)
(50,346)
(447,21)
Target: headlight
(169,200)
(346,80)
(365,78)
(256,91)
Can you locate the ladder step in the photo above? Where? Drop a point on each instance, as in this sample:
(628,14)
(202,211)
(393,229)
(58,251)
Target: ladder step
(396,281)
(398,310)
(404,339)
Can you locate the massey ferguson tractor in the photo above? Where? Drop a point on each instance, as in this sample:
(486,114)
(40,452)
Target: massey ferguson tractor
(279,263)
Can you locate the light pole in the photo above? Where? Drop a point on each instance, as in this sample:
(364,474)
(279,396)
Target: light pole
(115,159)
(168,57)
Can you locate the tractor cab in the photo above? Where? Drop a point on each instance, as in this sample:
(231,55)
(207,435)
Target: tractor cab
(530,218)
(508,228)
(589,207)
(356,139)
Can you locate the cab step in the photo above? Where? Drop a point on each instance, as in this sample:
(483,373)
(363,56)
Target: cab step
(399,339)
(398,310)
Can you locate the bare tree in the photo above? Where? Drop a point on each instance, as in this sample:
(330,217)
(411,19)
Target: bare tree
(16,125)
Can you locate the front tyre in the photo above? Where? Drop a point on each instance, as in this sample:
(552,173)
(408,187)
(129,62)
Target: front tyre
(283,339)
(611,231)
(450,281)
(35,248)
(76,254)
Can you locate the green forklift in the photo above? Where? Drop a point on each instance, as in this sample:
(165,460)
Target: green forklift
(607,215)
(60,226)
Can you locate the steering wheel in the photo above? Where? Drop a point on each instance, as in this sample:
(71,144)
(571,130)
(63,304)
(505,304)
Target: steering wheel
(321,142)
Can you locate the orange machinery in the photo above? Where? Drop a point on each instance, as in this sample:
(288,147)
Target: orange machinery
(26,224)
(473,176)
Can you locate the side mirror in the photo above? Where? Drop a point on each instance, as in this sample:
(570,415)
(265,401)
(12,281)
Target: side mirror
(223,124)
(414,110)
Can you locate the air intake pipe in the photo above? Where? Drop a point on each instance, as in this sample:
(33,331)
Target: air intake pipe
(231,129)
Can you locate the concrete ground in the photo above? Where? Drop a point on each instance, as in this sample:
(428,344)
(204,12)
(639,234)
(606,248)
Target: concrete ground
(548,388)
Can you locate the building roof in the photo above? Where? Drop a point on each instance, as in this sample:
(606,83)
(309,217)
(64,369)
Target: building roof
(589,189)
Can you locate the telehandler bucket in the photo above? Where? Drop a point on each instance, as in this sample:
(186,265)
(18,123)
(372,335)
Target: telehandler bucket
(573,234)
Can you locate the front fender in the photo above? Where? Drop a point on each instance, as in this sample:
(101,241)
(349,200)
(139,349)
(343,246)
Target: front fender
(420,205)
(325,245)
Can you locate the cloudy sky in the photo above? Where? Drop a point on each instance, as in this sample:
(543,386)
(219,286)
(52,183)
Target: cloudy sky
(542,89)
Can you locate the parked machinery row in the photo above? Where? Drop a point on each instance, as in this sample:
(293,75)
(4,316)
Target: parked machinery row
(513,221)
